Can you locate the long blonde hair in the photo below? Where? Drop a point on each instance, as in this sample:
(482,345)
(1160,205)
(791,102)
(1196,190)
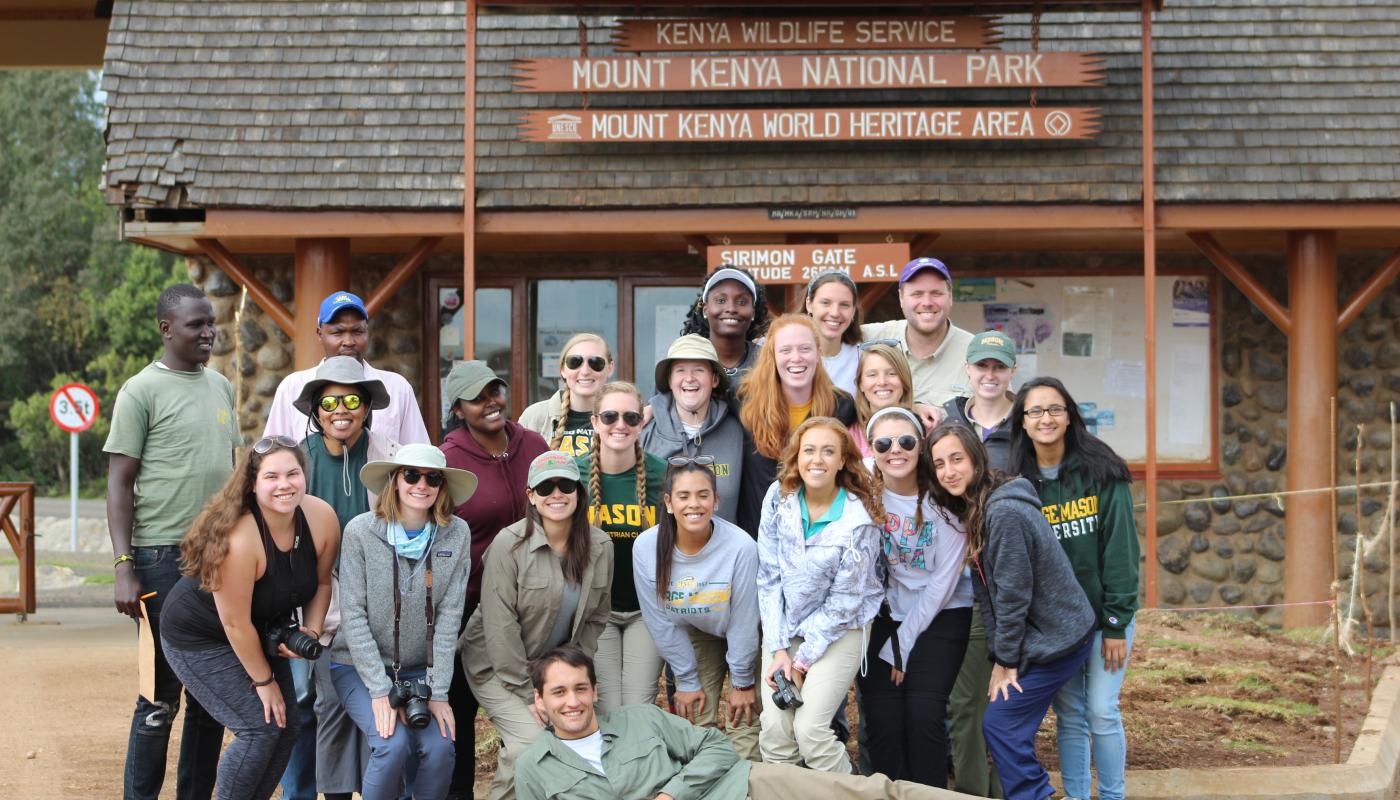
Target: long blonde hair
(562,422)
(386,504)
(764,409)
(852,476)
(900,364)
(204,548)
(595,457)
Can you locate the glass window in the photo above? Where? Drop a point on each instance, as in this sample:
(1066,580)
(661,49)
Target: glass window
(658,313)
(558,310)
(492,332)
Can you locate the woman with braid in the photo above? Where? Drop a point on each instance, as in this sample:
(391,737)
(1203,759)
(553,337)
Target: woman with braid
(624,490)
(564,419)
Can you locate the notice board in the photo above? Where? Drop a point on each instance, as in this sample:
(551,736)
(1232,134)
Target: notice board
(1088,332)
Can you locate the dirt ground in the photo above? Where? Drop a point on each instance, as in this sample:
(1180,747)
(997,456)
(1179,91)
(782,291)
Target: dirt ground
(1201,691)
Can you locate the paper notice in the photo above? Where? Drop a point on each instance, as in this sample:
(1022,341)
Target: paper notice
(1187,395)
(1191,303)
(1126,379)
(1086,321)
(1028,325)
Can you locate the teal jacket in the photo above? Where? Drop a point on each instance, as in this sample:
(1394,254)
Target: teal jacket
(1094,523)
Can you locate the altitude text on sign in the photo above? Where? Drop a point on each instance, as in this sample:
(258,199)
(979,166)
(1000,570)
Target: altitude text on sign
(816,124)
(799,263)
(809,72)
(830,33)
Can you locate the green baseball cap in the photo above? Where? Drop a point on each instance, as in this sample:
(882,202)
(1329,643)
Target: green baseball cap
(466,380)
(552,464)
(992,344)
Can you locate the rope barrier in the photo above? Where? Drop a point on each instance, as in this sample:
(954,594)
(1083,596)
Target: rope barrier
(1227,608)
(1261,495)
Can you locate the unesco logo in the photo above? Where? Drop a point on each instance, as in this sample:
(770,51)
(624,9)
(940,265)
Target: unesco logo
(1057,123)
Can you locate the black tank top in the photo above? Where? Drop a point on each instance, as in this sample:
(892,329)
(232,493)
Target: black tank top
(190,620)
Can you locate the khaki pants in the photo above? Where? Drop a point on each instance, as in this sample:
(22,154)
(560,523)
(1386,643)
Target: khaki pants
(784,782)
(627,663)
(516,726)
(710,657)
(804,735)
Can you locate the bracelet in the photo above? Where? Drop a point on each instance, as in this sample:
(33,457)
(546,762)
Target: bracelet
(748,688)
(123,557)
(270,678)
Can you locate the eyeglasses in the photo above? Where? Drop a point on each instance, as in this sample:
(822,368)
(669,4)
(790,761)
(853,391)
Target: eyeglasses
(631,418)
(866,345)
(699,461)
(352,402)
(413,476)
(266,444)
(908,442)
(595,363)
(545,488)
(1036,412)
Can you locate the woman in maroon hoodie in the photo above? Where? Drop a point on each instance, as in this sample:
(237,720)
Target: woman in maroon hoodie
(478,437)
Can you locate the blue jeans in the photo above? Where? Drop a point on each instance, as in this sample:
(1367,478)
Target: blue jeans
(299,781)
(388,758)
(157,569)
(1010,725)
(1089,722)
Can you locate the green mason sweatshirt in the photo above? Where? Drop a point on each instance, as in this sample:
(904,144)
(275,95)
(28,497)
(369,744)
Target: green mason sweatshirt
(1094,523)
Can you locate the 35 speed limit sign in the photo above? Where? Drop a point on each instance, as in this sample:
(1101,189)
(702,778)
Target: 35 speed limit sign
(73,407)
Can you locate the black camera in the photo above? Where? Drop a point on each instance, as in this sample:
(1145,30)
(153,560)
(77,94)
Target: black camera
(785,696)
(289,633)
(412,697)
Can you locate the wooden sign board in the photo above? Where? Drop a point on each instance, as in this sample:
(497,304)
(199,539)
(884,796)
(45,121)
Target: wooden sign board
(809,124)
(800,263)
(816,33)
(809,72)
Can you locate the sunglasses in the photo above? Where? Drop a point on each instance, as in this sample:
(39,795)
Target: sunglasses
(632,418)
(908,442)
(595,363)
(545,488)
(866,345)
(1037,412)
(352,402)
(267,444)
(700,461)
(413,476)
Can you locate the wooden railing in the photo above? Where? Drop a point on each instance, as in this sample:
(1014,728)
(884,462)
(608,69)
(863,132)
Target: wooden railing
(21,539)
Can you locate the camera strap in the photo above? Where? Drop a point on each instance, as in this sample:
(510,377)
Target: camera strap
(427,610)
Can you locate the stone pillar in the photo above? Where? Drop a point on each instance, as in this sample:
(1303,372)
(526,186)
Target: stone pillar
(322,267)
(1312,381)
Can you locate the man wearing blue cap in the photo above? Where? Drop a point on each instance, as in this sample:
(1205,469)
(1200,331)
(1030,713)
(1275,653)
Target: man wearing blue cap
(927,335)
(343,328)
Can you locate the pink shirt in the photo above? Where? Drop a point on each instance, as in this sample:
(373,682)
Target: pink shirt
(401,422)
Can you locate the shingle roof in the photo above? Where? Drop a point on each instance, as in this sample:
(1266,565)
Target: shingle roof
(359,105)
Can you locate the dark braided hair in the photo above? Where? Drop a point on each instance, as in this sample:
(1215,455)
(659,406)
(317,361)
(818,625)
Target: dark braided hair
(696,323)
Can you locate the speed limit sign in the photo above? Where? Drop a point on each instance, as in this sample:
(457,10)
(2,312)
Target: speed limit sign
(73,407)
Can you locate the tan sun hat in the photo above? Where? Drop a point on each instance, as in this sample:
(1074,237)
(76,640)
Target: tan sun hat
(461,484)
(691,347)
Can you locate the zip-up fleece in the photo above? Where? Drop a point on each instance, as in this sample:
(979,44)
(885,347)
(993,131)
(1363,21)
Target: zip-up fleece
(998,442)
(500,492)
(720,436)
(817,588)
(366,636)
(1033,608)
(1094,523)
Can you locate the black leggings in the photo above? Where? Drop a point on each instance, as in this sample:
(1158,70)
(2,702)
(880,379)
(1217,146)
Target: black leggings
(905,734)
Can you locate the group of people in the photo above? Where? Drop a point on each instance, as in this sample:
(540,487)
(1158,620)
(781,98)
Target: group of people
(807,504)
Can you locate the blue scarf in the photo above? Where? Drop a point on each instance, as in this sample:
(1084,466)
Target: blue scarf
(414,547)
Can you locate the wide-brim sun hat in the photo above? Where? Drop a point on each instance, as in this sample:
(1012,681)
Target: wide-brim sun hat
(691,347)
(460,483)
(346,371)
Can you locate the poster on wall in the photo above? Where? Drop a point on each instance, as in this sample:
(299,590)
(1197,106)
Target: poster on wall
(974,290)
(1087,324)
(1030,326)
(1190,303)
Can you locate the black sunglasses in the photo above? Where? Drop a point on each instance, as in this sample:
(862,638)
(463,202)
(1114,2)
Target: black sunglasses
(547,487)
(681,461)
(595,363)
(266,444)
(413,476)
(632,418)
(908,442)
(329,402)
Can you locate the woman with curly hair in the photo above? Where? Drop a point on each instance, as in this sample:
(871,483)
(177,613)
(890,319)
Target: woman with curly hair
(787,385)
(261,549)
(623,485)
(818,589)
(882,380)
(564,419)
(832,300)
(731,312)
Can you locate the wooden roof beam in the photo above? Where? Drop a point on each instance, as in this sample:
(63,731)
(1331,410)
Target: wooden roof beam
(400,274)
(257,290)
(1369,291)
(1242,279)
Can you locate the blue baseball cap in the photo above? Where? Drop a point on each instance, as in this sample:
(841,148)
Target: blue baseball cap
(919,265)
(337,301)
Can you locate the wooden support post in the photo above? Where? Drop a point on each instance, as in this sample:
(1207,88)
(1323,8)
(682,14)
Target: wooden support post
(322,267)
(1369,291)
(243,276)
(1149,277)
(1312,378)
(1236,273)
(400,274)
(469,196)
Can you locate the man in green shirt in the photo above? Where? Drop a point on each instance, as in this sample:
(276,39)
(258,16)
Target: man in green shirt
(174,433)
(640,751)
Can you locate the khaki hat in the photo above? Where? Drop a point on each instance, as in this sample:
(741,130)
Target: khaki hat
(346,371)
(461,484)
(992,344)
(552,464)
(691,347)
(465,382)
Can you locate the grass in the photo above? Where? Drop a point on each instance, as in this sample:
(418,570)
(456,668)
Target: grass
(100,578)
(1177,644)
(1254,683)
(1278,709)
(1256,747)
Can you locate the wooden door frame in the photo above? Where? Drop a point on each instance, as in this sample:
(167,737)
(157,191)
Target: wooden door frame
(431,351)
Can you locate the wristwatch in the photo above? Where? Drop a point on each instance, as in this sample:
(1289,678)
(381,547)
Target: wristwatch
(123,557)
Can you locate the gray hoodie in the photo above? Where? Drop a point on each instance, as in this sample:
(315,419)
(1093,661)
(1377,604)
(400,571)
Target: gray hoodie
(1033,607)
(366,636)
(720,436)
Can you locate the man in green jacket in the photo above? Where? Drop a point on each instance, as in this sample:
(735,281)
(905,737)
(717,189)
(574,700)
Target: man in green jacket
(640,751)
